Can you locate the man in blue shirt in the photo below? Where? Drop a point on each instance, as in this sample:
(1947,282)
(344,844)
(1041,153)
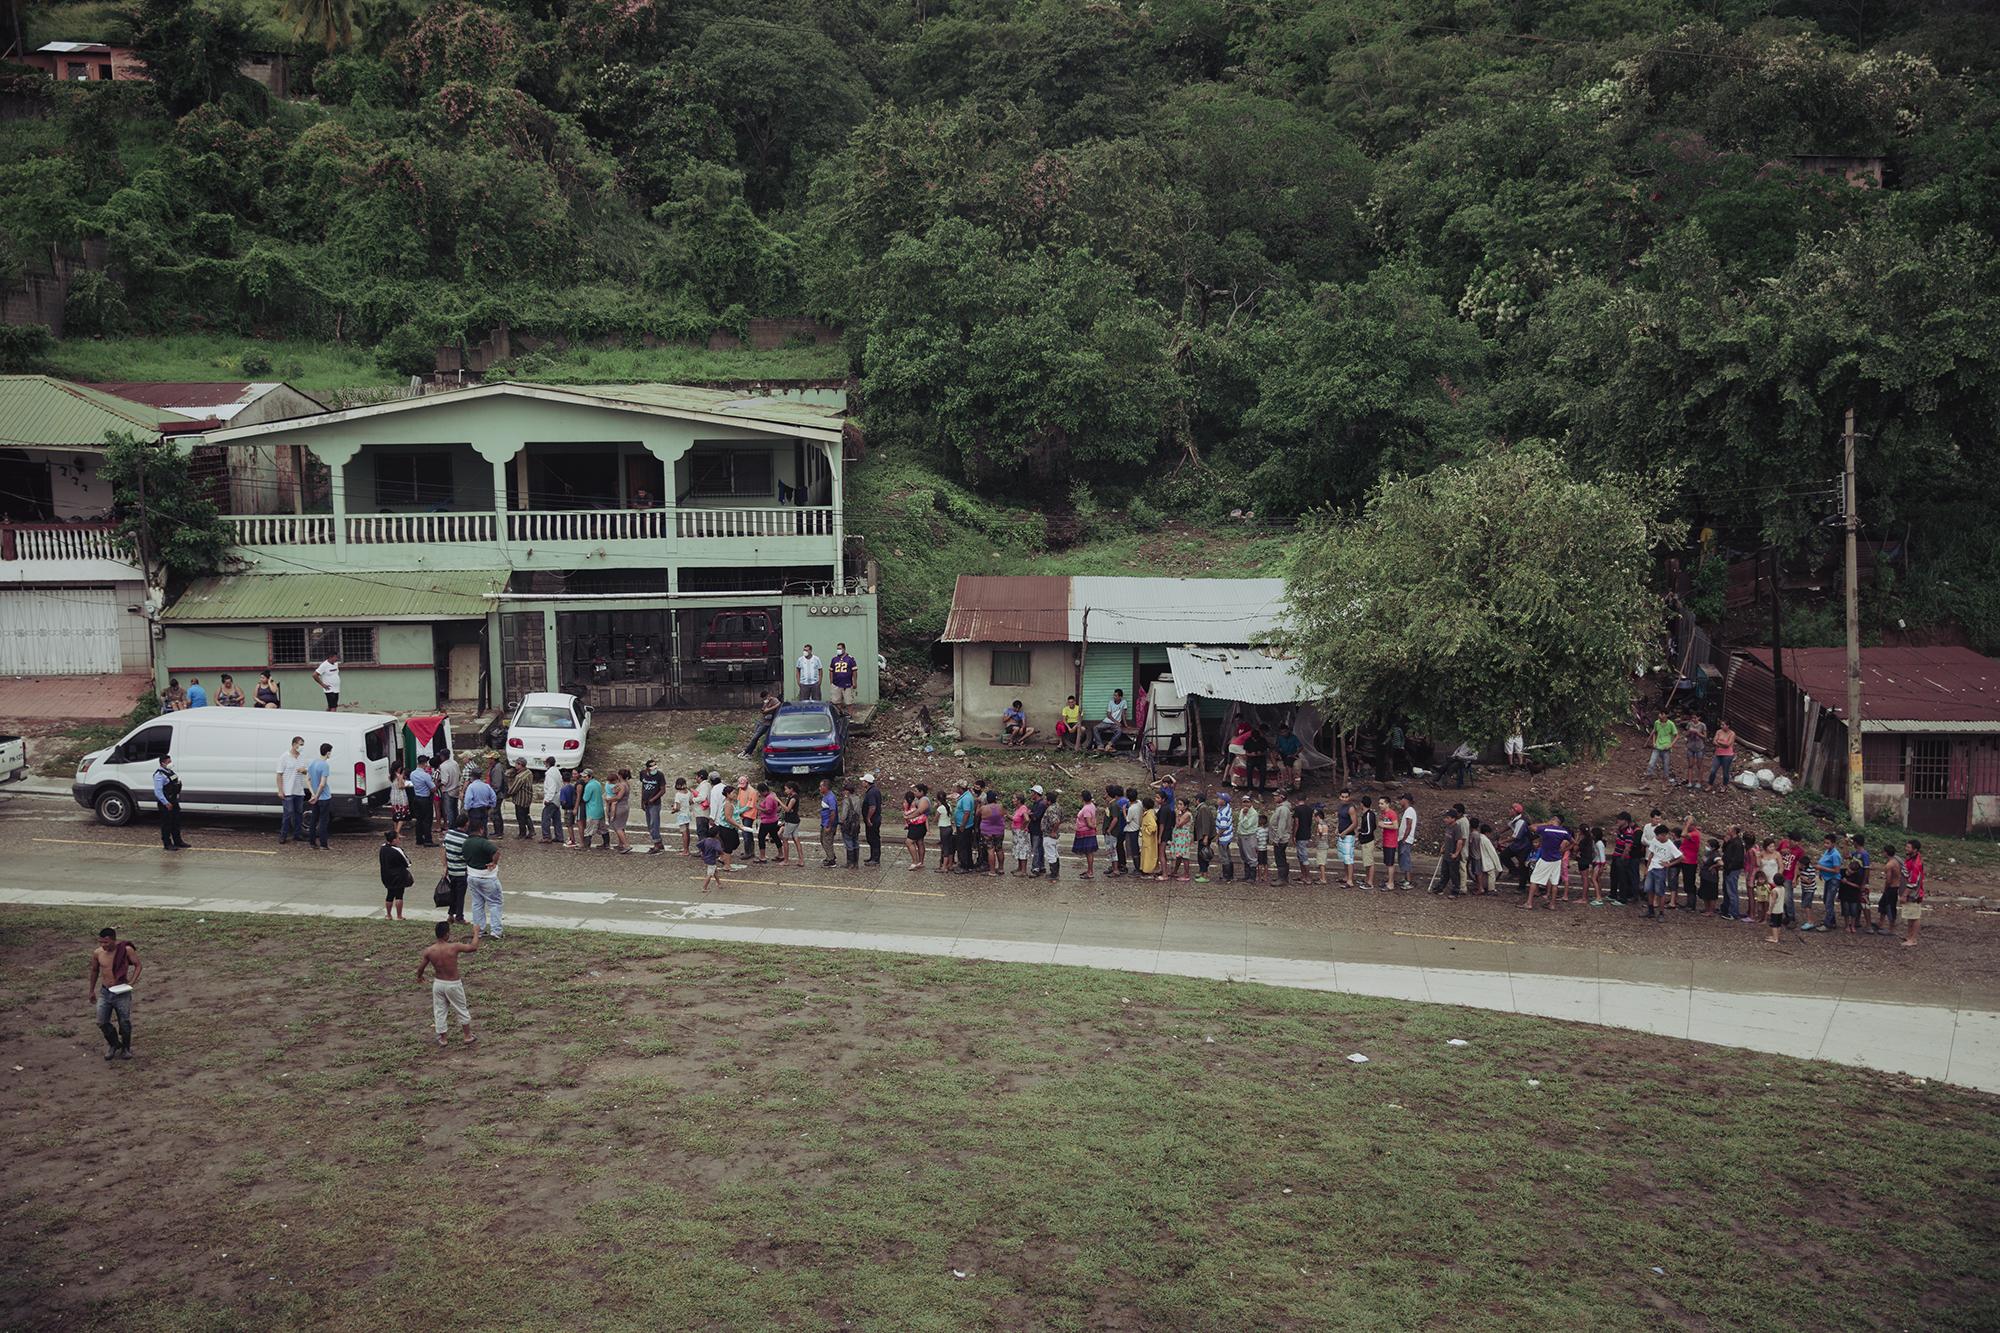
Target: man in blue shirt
(167,795)
(423,799)
(965,817)
(197,696)
(480,800)
(829,809)
(319,798)
(1014,728)
(1830,864)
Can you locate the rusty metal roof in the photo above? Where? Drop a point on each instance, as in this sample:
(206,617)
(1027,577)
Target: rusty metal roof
(1902,689)
(1013,608)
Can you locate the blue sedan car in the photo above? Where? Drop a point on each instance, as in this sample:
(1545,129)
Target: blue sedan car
(808,739)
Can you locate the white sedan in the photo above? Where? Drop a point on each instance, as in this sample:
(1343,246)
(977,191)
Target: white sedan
(548,726)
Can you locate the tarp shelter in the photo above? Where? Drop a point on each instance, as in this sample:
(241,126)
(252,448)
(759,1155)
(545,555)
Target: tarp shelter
(1260,687)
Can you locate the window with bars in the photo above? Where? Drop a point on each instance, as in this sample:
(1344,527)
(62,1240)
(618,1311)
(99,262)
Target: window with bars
(308,645)
(1930,768)
(1010,666)
(741,473)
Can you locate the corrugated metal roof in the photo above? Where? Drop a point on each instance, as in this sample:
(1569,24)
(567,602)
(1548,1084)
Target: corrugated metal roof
(261,597)
(180,393)
(1053,608)
(719,402)
(783,416)
(1239,674)
(1014,608)
(53,413)
(1900,687)
(1203,611)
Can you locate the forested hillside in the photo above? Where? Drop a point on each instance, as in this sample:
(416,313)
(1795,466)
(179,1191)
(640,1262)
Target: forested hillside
(1190,256)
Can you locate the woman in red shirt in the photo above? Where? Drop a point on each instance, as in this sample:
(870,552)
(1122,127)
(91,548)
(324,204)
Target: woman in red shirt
(1690,860)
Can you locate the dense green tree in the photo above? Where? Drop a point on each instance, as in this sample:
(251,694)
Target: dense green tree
(1045,365)
(789,94)
(193,49)
(1482,596)
(159,505)
(1356,380)
(326,23)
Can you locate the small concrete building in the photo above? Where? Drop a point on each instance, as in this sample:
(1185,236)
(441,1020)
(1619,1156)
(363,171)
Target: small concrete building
(1042,638)
(1930,729)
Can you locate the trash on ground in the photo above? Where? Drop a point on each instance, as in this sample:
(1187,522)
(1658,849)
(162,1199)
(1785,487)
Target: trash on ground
(1357,1059)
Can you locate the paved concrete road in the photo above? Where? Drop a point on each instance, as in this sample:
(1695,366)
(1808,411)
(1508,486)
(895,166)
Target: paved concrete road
(1816,1000)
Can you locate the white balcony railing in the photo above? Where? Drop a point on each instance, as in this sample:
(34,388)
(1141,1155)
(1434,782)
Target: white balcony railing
(64,541)
(588,525)
(417,529)
(785,522)
(282,529)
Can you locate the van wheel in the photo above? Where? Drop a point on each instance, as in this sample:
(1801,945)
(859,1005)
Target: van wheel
(114,807)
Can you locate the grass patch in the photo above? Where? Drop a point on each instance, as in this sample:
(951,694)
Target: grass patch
(720,736)
(926,530)
(655,1134)
(302,363)
(675,365)
(56,756)
(1815,816)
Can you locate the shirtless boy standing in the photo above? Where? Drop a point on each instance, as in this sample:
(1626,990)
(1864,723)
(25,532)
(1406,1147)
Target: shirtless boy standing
(114,970)
(447,991)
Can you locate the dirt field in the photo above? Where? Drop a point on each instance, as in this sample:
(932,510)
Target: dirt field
(660,1136)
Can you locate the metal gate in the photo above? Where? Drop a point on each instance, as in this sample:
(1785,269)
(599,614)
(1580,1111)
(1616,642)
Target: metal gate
(1939,802)
(59,632)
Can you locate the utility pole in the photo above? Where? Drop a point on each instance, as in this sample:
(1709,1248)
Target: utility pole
(1856,810)
(1780,721)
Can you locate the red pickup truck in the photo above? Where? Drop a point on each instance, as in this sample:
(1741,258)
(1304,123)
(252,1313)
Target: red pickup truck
(739,645)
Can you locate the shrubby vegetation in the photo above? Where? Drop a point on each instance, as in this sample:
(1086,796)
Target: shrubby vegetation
(1195,255)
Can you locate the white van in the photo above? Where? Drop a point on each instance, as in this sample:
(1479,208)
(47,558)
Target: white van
(227,759)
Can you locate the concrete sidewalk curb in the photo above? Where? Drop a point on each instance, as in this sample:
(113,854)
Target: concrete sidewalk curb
(1918,1040)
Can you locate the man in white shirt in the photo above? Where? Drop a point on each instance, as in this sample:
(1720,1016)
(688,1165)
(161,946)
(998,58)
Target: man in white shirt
(552,820)
(291,779)
(1112,727)
(808,674)
(1661,854)
(327,673)
(1406,841)
(447,776)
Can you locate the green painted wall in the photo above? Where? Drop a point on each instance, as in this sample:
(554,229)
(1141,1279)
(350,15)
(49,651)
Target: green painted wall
(406,683)
(471,482)
(825,621)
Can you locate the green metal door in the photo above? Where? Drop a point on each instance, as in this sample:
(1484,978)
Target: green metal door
(1106,667)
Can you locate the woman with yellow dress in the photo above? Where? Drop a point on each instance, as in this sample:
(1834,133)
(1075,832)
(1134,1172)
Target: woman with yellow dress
(1149,839)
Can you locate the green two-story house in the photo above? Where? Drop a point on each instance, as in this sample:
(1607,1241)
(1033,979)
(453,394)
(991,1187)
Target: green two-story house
(643,545)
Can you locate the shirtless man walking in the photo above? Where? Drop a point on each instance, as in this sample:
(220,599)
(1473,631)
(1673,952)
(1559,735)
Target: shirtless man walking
(447,990)
(115,966)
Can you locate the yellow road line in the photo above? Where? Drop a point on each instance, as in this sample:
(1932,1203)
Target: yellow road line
(98,842)
(838,888)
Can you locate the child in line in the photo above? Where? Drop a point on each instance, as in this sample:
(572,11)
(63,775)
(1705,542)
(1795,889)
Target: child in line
(1771,893)
(683,816)
(711,855)
(566,801)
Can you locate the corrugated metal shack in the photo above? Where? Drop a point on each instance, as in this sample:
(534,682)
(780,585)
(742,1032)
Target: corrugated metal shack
(1930,729)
